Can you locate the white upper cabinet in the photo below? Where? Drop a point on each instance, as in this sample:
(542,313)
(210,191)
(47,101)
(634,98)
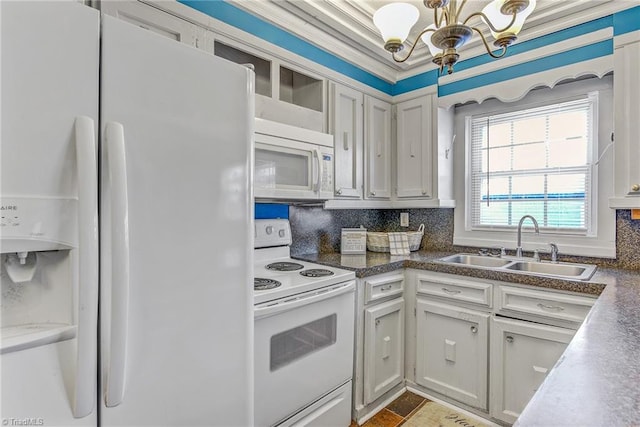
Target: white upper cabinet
(346,125)
(424,164)
(627,121)
(415,122)
(377,141)
(284,93)
(158,21)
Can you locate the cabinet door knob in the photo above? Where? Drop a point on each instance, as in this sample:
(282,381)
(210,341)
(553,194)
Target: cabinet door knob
(474,329)
(373,193)
(339,191)
(509,339)
(635,187)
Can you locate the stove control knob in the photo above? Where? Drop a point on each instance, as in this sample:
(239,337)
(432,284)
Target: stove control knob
(281,233)
(269,229)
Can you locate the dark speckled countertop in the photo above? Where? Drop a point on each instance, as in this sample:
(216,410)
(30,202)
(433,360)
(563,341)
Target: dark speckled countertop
(596,382)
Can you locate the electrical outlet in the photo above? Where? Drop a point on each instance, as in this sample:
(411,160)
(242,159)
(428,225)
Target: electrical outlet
(404,219)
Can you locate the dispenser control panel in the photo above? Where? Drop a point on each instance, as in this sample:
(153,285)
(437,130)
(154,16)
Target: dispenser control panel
(38,224)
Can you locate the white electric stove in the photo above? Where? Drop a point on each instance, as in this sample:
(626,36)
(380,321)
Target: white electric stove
(277,275)
(304,325)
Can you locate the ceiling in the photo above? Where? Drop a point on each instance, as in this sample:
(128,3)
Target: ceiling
(345,27)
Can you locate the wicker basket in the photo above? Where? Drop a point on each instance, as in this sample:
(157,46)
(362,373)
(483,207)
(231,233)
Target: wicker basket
(379,242)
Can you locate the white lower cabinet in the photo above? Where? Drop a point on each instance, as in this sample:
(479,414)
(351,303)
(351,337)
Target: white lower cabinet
(522,354)
(383,348)
(380,345)
(486,344)
(452,351)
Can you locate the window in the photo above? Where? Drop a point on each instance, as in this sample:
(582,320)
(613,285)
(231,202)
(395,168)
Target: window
(538,170)
(535,161)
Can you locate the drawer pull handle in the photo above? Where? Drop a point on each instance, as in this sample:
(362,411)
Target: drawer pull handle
(386,288)
(451,292)
(509,339)
(550,307)
(474,329)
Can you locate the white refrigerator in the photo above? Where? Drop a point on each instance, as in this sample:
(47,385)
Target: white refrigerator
(127,234)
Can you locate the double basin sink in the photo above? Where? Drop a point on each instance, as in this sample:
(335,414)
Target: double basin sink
(561,270)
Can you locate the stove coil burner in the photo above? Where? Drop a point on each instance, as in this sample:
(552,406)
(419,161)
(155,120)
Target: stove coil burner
(284,266)
(260,284)
(316,272)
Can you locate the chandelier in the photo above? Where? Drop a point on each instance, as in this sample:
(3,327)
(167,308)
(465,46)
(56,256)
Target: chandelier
(448,33)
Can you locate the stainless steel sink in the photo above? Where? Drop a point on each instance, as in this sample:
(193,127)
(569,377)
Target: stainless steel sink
(476,260)
(529,266)
(573,271)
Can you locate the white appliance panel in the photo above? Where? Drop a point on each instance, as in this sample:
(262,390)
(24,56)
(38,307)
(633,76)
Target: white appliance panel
(37,386)
(291,369)
(187,350)
(50,60)
(38,156)
(333,409)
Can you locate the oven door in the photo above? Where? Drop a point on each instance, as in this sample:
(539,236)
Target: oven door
(303,350)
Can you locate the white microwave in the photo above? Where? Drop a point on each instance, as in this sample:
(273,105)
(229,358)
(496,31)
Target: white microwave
(292,163)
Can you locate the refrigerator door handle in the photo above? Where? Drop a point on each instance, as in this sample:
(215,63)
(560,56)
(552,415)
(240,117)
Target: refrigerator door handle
(119,257)
(87,286)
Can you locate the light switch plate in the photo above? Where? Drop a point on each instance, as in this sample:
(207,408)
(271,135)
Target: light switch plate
(404,219)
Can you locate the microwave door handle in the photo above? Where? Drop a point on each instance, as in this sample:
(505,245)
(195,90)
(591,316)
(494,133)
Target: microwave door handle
(318,170)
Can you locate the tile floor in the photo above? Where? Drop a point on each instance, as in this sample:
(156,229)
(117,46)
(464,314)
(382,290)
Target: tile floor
(399,411)
(395,413)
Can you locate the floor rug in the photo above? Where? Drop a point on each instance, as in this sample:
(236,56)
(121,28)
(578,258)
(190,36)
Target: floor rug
(433,414)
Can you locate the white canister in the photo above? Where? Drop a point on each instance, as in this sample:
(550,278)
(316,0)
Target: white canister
(353,241)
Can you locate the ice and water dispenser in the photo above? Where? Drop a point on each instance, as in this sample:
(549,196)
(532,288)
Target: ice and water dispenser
(38,238)
(48,239)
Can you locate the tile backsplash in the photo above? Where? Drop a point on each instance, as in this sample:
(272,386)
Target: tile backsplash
(317,230)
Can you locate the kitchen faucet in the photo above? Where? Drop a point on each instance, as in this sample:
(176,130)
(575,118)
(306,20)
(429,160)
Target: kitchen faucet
(519,243)
(554,252)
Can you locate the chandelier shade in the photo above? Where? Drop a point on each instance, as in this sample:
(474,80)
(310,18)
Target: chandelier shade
(492,14)
(449,32)
(394,21)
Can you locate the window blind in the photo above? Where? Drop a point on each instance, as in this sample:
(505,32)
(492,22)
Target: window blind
(535,161)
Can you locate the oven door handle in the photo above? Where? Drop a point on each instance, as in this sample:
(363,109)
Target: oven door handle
(269,309)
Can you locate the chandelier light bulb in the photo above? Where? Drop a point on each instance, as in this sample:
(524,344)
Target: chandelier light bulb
(500,20)
(394,22)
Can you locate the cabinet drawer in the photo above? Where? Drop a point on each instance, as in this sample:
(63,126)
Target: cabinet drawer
(455,288)
(382,287)
(571,308)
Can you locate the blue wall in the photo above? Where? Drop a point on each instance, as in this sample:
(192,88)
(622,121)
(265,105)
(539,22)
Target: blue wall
(622,22)
(271,210)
